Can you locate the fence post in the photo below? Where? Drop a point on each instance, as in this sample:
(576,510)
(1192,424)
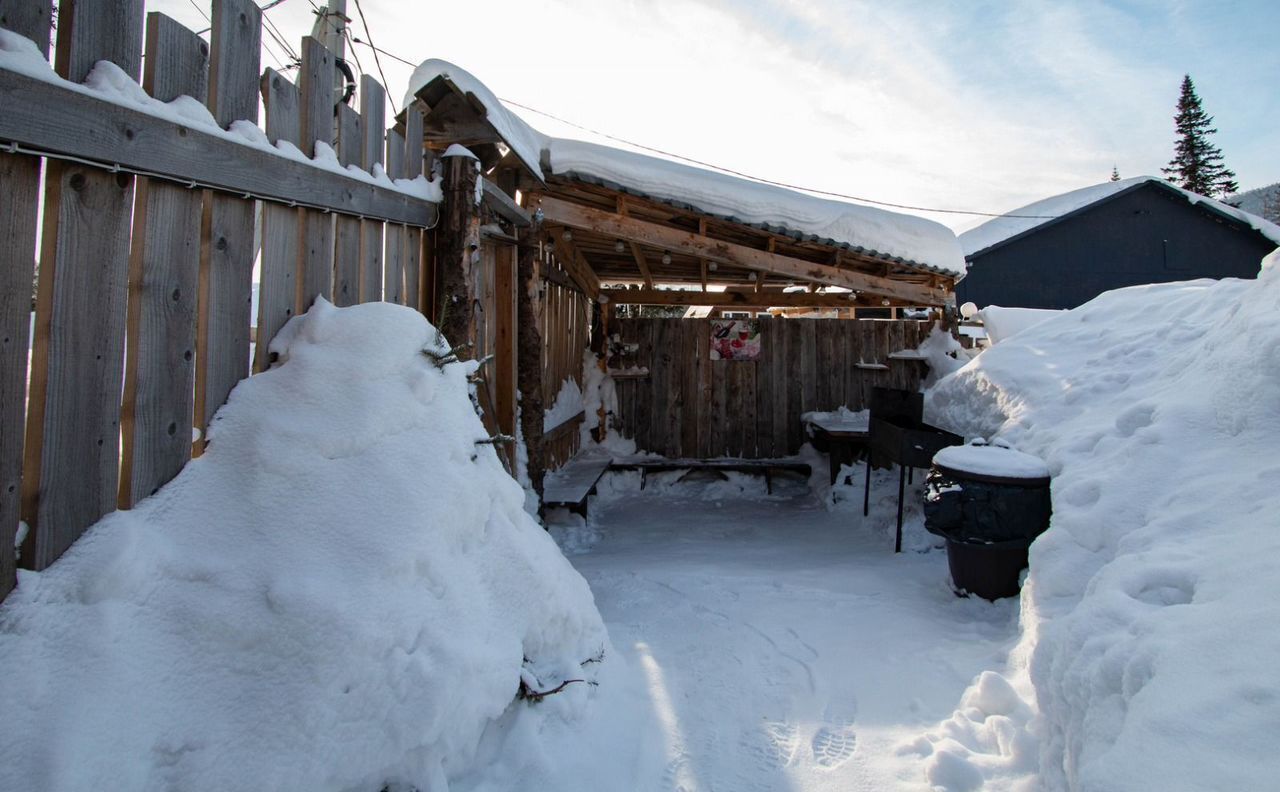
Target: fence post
(459,241)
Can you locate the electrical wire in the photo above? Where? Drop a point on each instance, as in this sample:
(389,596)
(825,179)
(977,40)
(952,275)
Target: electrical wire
(376,60)
(702,163)
(762,180)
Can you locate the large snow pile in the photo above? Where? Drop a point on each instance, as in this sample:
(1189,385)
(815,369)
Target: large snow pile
(340,595)
(1150,608)
(1033,215)
(1001,323)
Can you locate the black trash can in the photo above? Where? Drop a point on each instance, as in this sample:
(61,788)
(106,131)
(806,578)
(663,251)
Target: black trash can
(989,502)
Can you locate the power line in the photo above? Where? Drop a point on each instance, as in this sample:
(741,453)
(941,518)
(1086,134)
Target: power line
(391,55)
(376,60)
(281,40)
(762,180)
(704,164)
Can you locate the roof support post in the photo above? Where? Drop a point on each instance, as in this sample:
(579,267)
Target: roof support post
(458,247)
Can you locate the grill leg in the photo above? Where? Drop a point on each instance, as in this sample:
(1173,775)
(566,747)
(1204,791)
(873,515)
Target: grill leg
(866,492)
(902,484)
(911,474)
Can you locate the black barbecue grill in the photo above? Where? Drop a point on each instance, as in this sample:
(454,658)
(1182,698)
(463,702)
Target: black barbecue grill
(898,435)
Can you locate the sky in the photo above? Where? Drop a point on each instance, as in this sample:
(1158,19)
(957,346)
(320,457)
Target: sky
(974,105)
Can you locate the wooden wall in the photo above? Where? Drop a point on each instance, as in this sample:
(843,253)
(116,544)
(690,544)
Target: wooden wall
(566,331)
(692,406)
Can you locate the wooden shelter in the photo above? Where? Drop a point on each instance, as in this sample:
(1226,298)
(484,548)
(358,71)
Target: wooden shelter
(556,251)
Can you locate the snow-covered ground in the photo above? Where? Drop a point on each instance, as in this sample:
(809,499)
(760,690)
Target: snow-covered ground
(762,642)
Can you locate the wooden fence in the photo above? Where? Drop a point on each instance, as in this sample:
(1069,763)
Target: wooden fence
(147,249)
(565,328)
(691,406)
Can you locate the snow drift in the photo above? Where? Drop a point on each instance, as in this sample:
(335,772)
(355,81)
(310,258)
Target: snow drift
(341,594)
(1149,649)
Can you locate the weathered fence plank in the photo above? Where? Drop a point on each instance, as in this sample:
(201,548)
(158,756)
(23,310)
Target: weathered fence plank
(315,86)
(30,18)
(346,251)
(413,141)
(72,448)
(20,184)
(281,244)
(393,282)
(373,102)
(164,275)
(226,251)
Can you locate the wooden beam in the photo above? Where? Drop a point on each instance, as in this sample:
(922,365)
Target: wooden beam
(702,231)
(571,259)
(769,298)
(636,252)
(504,205)
(52,118)
(678,241)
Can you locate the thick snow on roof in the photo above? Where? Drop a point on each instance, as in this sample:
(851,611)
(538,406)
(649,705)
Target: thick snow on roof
(862,228)
(1036,214)
(865,228)
(524,140)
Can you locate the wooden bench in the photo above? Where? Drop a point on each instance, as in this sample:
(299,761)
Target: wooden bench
(570,486)
(766,467)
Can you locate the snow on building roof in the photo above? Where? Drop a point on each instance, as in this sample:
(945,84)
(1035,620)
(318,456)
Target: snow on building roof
(862,229)
(1034,215)
(524,140)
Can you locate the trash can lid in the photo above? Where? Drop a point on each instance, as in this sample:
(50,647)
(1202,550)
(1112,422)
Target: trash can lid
(995,461)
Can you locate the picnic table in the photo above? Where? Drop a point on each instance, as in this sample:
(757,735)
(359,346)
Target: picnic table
(843,435)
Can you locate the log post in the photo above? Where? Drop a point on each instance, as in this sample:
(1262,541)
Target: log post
(529,355)
(458,245)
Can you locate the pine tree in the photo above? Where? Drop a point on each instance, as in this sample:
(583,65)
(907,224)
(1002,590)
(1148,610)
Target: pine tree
(1115,173)
(1197,163)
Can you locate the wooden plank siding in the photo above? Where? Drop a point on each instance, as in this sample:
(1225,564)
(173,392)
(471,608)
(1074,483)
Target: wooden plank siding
(692,406)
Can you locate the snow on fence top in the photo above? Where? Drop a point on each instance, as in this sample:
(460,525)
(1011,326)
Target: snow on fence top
(1034,215)
(863,229)
(110,83)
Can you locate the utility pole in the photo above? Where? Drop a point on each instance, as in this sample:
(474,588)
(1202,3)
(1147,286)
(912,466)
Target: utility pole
(330,27)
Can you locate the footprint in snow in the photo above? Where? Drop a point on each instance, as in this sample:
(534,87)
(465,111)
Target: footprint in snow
(835,739)
(773,744)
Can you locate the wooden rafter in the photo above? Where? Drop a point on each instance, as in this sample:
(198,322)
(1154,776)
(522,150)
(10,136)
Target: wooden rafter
(769,298)
(562,212)
(641,262)
(702,231)
(571,259)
